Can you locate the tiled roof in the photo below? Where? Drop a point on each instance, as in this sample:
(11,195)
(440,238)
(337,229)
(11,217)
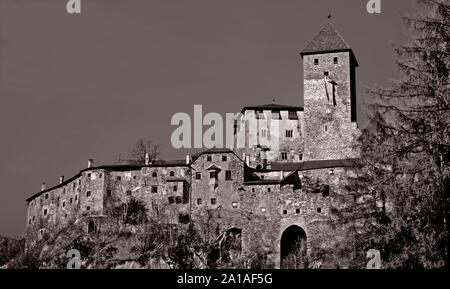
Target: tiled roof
(313,165)
(328,39)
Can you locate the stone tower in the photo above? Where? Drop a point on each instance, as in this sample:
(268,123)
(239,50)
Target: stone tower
(329,97)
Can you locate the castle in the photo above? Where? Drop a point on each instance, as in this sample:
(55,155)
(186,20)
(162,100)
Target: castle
(286,205)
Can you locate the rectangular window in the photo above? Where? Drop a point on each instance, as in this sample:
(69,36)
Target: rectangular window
(128,193)
(178,200)
(199,202)
(209,158)
(154,189)
(213,201)
(316,61)
(289,133)
(284,156)
(70,201)
(118,178)
(228,175)
(88,208)
(297,211)
(109,193)
(300,157)
(292,115)
(326,73)
(335,60)
(88,194)
(198,176)
(284,212)
(224,158)
(171,200)
(46,196)
(175,188)
(213,175)
(264,132)
(45,212)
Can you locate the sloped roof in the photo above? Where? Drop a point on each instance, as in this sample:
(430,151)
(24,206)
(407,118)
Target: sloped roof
(328,40)
(313,165)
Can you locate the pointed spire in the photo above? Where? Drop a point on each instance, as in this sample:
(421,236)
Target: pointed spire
(328,39)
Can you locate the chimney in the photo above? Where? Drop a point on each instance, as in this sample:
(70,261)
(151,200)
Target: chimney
(188,159)
(43,186)
(61,179)
(247,160)
(90,163)
(147,159)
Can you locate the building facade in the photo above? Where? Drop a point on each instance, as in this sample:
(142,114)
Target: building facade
(281,198)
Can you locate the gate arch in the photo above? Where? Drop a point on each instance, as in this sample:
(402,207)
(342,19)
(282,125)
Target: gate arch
(293,248)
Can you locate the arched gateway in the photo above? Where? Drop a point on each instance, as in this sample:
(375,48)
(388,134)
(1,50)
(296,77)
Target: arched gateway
(293,248)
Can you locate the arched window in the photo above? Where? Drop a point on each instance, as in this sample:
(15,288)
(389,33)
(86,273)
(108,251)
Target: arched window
(154,174)
(172,173)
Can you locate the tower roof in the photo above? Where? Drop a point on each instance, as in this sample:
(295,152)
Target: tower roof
(327,40)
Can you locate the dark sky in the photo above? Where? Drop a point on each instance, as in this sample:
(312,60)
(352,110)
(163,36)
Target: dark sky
(74,87)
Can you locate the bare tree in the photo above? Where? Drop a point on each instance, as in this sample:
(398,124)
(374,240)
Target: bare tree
(142,147)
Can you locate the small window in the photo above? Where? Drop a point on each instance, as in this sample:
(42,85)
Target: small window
(76,197)
(289,133)
(319,210)
(253,190)
(198,176)
(264,132)
(171,200)
(70,201)
(213,201)
(118,178)
(74,185)
(154,175)
(172,173)
(234,204)
(316,61)
(64,190)
(228,175)
(284,156)
(88,194)
(154,189)
(134,177)
(128,193)
(64,204)
(326,73)
(178,200)
(335,60)
(297,211)
(100,175)
(269,190)
(209,158)
(88,208)
(199,202)
(46,196)
(284,212)
(213,175)
(89,175)
(325,128)
(300,156)
(109,193)
(224,158)
(175,188)
(45,212)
